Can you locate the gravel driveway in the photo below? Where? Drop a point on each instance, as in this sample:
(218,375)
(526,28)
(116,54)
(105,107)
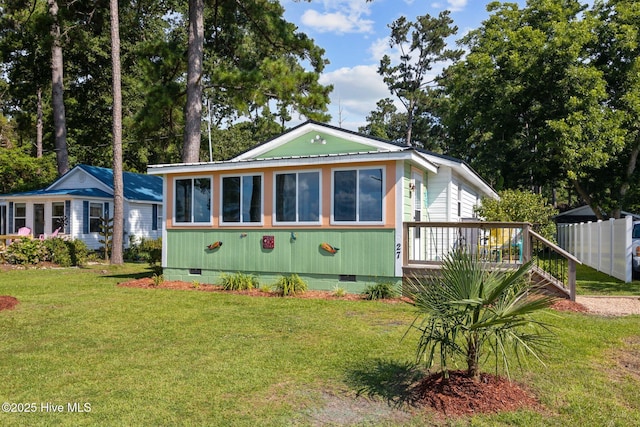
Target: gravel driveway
(611,306)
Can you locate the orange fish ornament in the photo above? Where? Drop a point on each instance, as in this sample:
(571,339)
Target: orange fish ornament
(327,247)
(214,245)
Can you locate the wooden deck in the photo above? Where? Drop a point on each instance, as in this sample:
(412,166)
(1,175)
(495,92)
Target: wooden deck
(502,246)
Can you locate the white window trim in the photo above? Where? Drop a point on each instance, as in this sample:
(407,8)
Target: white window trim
(101,205)
(190,223)
(384,196)
(297,222)
(15,216)
(241,223)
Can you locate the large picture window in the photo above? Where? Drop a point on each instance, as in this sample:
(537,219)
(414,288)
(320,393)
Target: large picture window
(242,199)
(357,195)
(192,200)
(297,197)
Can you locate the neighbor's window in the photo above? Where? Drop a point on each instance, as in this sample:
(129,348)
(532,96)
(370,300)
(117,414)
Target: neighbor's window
(298,197)
(19,216)
(357,195)
(95,213)
(242,199)
(57,217)
(192,201)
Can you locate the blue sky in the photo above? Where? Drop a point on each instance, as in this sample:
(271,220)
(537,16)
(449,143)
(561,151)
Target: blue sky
(354,35)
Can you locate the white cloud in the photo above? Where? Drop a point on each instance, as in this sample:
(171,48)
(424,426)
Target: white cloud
(355,93)
(335,23)
(456,5)
(340,16)
(452,5)
(379,48)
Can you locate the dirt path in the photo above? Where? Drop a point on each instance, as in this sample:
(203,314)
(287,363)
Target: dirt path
(610,306)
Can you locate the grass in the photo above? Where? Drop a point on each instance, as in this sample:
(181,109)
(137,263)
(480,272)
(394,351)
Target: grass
(592,282)
(163,357)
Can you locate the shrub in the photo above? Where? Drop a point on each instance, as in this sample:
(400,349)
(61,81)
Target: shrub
(339,292)
(58,252)
(25,251)
(290,285)
(157,279)
(382,290)
(239,282)
(265,289)
(149,250)
(65,253)
(78,251)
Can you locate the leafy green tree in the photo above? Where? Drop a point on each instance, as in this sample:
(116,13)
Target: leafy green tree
(547,95)
(471,312)
(421,44)
(22,172)
(612,184)
(520,206)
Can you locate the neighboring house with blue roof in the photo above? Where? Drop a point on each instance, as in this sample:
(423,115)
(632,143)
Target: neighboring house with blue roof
(75,202)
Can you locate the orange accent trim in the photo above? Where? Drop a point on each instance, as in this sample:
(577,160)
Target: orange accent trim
(268,180)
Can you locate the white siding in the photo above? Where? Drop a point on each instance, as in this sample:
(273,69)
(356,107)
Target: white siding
(80,179)
(469,200)
(139,221)
(438,189)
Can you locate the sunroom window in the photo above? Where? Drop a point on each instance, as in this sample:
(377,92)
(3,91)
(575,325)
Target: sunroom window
(192,200)
(357,195)
(297,197)
(242,199)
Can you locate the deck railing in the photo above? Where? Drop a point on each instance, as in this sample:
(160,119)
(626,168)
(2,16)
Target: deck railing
(500,244)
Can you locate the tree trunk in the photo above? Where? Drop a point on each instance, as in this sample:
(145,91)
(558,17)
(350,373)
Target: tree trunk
(39,125)
(472,358)
(57,89)
(118,187)
(193,107)
(588,200)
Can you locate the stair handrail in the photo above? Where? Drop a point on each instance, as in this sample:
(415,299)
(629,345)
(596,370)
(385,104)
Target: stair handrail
(572,261)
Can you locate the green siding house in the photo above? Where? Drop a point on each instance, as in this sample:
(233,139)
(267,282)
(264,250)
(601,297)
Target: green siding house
(322,202)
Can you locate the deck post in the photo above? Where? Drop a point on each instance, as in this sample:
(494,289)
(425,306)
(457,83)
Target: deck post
(405,244)
(526,243)
(572,280)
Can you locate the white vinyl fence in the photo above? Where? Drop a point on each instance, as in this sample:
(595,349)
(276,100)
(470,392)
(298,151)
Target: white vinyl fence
(603,245)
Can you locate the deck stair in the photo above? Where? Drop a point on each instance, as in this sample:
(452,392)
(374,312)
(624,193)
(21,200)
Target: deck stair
(503,245)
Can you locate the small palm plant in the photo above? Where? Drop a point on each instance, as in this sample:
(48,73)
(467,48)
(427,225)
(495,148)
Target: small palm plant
(471,312)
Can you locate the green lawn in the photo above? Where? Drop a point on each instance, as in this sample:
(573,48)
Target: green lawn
(164,357)
(592,282)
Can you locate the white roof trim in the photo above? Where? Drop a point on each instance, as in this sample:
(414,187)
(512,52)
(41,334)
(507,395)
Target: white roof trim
(464,170)
(95,182)
(292,161)
(315,127)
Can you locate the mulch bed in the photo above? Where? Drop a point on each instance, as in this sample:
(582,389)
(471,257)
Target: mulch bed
(7,302)
(567,305)
(461,395)
(147,283)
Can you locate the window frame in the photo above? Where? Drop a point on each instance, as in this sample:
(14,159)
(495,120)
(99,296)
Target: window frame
(57,220)
(97,221)
(297,172)
(191,221)
(242,223)
(23,218)
(358,169)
